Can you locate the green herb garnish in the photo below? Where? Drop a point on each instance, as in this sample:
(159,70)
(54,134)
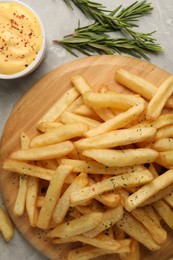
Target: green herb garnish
(95,38)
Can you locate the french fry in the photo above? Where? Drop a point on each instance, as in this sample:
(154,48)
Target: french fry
(148,218)
(48,126)
(48,164)
(110,99)
(166,131)
(169,199)
(124,180)
(60,134)
(60,106)
(133,254)
(163,144)
(149,189)
(118,121)
(80,84)
(159,195)
(52,196)
(117,138)
(87,252)
(77,226)
(100,241)
(163,120)
(153,215)
(75,104)
(84,110)
(165,159)
(27,169)
(99,168)
(138,85)
(109,218)
(70,118)
(138,232)
(83,86)
(64,203)
(158,233)
(109,199)
(45,152)
(159,99)
(121,158)
(31,200)
(164,211)
(6,227)
(19,205)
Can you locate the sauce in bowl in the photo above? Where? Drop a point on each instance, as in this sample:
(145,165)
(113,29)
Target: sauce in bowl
(20,37)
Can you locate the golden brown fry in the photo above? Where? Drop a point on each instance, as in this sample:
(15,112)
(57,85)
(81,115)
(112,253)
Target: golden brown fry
(87,252)
(60,106)
(48,126)
(164,211)
(31,200)
(64,203)
(169,199)
(60,134)
(121,158)
(135,229)
(138,85)
(165,159)
(110,217)
(149,189)
(19,205)
(52,196)
(118,121)
(158,233)
(166,131)
(101,241)
(77,226)
(99,168)
(80,84)
(159,99)
(163,144)
(75,104)
(125,180)
(163,120)
(28,169)
(45,152)
(134,252)
(117,138)
(159,195)
(110,99)
(70,118)
(84,110)
(6,227)
(109,199)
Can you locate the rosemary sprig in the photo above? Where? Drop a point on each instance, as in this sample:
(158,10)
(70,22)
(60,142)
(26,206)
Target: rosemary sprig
(94,41)
(95,37)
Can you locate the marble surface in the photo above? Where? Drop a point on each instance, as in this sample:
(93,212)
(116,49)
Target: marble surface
(59,20)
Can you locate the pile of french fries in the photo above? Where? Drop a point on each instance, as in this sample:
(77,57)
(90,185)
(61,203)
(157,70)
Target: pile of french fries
(100,170)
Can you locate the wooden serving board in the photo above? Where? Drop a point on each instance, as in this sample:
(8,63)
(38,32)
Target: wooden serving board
(29,109)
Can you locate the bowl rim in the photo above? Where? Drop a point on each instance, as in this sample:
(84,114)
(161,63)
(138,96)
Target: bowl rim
(41,52)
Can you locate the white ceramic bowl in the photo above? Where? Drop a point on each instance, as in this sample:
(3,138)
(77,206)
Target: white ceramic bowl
(40,54)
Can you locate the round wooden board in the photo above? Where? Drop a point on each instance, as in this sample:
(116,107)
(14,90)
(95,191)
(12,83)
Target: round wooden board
(29,109)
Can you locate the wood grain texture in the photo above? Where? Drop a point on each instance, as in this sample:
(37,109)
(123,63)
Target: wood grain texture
(30,108)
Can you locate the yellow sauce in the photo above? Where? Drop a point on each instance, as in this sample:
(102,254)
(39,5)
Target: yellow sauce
(20,38)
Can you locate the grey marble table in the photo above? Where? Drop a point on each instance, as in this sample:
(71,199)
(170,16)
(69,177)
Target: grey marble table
(59,20)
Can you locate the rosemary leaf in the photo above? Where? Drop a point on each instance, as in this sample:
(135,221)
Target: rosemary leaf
(95,38)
